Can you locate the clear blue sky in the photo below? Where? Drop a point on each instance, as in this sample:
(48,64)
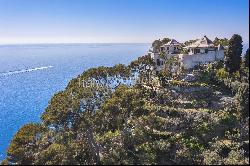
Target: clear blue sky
(46,21)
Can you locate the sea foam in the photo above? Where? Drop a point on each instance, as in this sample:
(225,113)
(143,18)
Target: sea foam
(24,71)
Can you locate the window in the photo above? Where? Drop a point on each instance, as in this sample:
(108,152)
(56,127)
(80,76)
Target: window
(158,62)
(167,48)
(174,48)
(206,50)
(196,51)
(161,62)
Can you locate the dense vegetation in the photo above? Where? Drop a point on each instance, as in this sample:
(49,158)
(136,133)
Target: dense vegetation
(158,43)
(223,42)
(130,115)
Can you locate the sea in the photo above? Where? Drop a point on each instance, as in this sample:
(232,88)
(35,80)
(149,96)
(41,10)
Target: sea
(30,74)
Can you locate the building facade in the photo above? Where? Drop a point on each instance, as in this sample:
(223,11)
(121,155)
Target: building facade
(172,48)
(200,52)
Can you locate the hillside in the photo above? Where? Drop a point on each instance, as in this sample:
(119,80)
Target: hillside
(130,115)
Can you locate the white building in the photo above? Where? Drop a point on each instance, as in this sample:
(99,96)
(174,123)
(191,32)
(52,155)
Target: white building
(200,52)
(172,48)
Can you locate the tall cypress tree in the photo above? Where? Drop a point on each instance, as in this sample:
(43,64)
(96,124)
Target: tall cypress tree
(246,58)
(233,54)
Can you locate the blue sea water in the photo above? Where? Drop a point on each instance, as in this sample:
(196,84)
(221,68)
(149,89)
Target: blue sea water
(31,74)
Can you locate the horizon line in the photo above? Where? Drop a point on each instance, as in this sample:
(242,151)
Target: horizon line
(75,43)
(3,44)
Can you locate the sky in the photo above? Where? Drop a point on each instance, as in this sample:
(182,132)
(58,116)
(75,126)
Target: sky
(120,21)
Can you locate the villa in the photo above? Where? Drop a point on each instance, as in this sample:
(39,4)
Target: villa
(172,47)
(200,52)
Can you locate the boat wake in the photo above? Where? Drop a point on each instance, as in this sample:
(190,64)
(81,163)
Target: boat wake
(24,71)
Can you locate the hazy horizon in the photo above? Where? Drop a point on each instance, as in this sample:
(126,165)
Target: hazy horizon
(6,44)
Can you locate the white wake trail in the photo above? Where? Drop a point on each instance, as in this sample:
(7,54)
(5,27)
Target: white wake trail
(24,71)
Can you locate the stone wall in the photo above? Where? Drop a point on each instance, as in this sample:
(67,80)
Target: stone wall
(189,89)
(189,61)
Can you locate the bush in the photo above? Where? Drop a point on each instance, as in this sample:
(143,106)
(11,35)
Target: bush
(221,74)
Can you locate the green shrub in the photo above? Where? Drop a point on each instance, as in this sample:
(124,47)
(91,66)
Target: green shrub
(221,74)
